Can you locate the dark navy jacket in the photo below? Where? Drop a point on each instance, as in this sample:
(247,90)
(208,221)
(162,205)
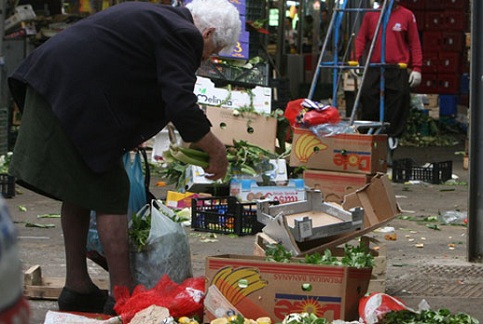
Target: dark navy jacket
(115,79)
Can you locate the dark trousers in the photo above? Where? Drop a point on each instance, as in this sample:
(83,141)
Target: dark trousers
(396,99)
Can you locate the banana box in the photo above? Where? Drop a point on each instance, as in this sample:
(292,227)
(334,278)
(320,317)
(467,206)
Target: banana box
(335,185)
(359,153)
(254,288)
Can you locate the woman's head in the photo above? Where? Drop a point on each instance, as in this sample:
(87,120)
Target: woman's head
(219,20)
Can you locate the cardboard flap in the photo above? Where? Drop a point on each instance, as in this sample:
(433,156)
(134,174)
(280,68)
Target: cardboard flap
(378,200)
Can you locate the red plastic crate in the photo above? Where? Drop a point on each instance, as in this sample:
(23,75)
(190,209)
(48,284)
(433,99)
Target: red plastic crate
(453,41)
(463,5)
(429,84)
(433,20)
(448,83)
(449,62)
(434,4)
(456,20)
(432,41)
(413,4)
(430,62)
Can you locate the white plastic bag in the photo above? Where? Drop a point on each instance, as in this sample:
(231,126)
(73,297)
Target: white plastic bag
(167,249)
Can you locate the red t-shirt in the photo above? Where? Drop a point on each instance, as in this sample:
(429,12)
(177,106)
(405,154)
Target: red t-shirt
(402,38)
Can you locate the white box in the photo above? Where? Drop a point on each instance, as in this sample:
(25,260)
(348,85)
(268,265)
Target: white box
(249,190)
(160,144)
(208,94)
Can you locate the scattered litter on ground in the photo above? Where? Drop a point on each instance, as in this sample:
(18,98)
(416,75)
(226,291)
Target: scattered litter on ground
(28,224)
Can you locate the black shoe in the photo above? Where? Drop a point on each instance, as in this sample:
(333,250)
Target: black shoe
(109,306)
(71,301)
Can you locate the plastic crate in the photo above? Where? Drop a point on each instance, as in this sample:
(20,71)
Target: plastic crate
(7,183)
(256,76)
(225,215)
(436,173)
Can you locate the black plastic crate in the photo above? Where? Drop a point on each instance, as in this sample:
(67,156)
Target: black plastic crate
(224,215)
(436,173)
(7,183)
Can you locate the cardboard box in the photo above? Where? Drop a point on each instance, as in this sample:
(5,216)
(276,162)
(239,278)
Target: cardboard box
(249,190)
(260,98)
(378,201)
(335,185)
(378,251)
(253,287)
(255,129)
(357,153)
(180,200)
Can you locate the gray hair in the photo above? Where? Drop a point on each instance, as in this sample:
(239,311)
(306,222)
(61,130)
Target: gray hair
(220,14)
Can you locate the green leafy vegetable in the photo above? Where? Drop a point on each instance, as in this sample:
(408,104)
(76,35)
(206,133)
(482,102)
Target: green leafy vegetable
(354,256)
(139,230)
(427,317)
(277,253)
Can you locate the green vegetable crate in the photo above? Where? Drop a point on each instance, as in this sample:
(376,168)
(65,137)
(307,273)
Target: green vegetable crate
(224,215)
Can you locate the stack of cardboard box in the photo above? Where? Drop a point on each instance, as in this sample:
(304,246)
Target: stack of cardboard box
(340,164)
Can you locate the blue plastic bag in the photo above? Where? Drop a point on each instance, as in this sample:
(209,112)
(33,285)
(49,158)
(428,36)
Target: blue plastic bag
(134,170)
(137,200)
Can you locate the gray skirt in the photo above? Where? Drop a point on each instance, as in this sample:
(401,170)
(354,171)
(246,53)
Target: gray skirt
(46,161)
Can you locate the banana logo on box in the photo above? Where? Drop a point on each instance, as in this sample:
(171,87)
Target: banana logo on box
(306,145)
(236,284)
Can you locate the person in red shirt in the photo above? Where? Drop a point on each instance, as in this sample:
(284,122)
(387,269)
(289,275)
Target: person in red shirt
(402,46)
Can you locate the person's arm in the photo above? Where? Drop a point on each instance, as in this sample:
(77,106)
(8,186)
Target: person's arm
(361,39)
(218,163)
(415,46)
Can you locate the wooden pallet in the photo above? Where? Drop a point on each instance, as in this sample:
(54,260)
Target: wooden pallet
(37,287)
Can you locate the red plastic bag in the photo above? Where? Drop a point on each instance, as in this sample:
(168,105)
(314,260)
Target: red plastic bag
(293,110)
(372,308)
(185,299)
(316,117)
(305,112)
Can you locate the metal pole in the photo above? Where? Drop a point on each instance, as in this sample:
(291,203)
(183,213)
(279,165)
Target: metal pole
(475,199)
(281,38)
